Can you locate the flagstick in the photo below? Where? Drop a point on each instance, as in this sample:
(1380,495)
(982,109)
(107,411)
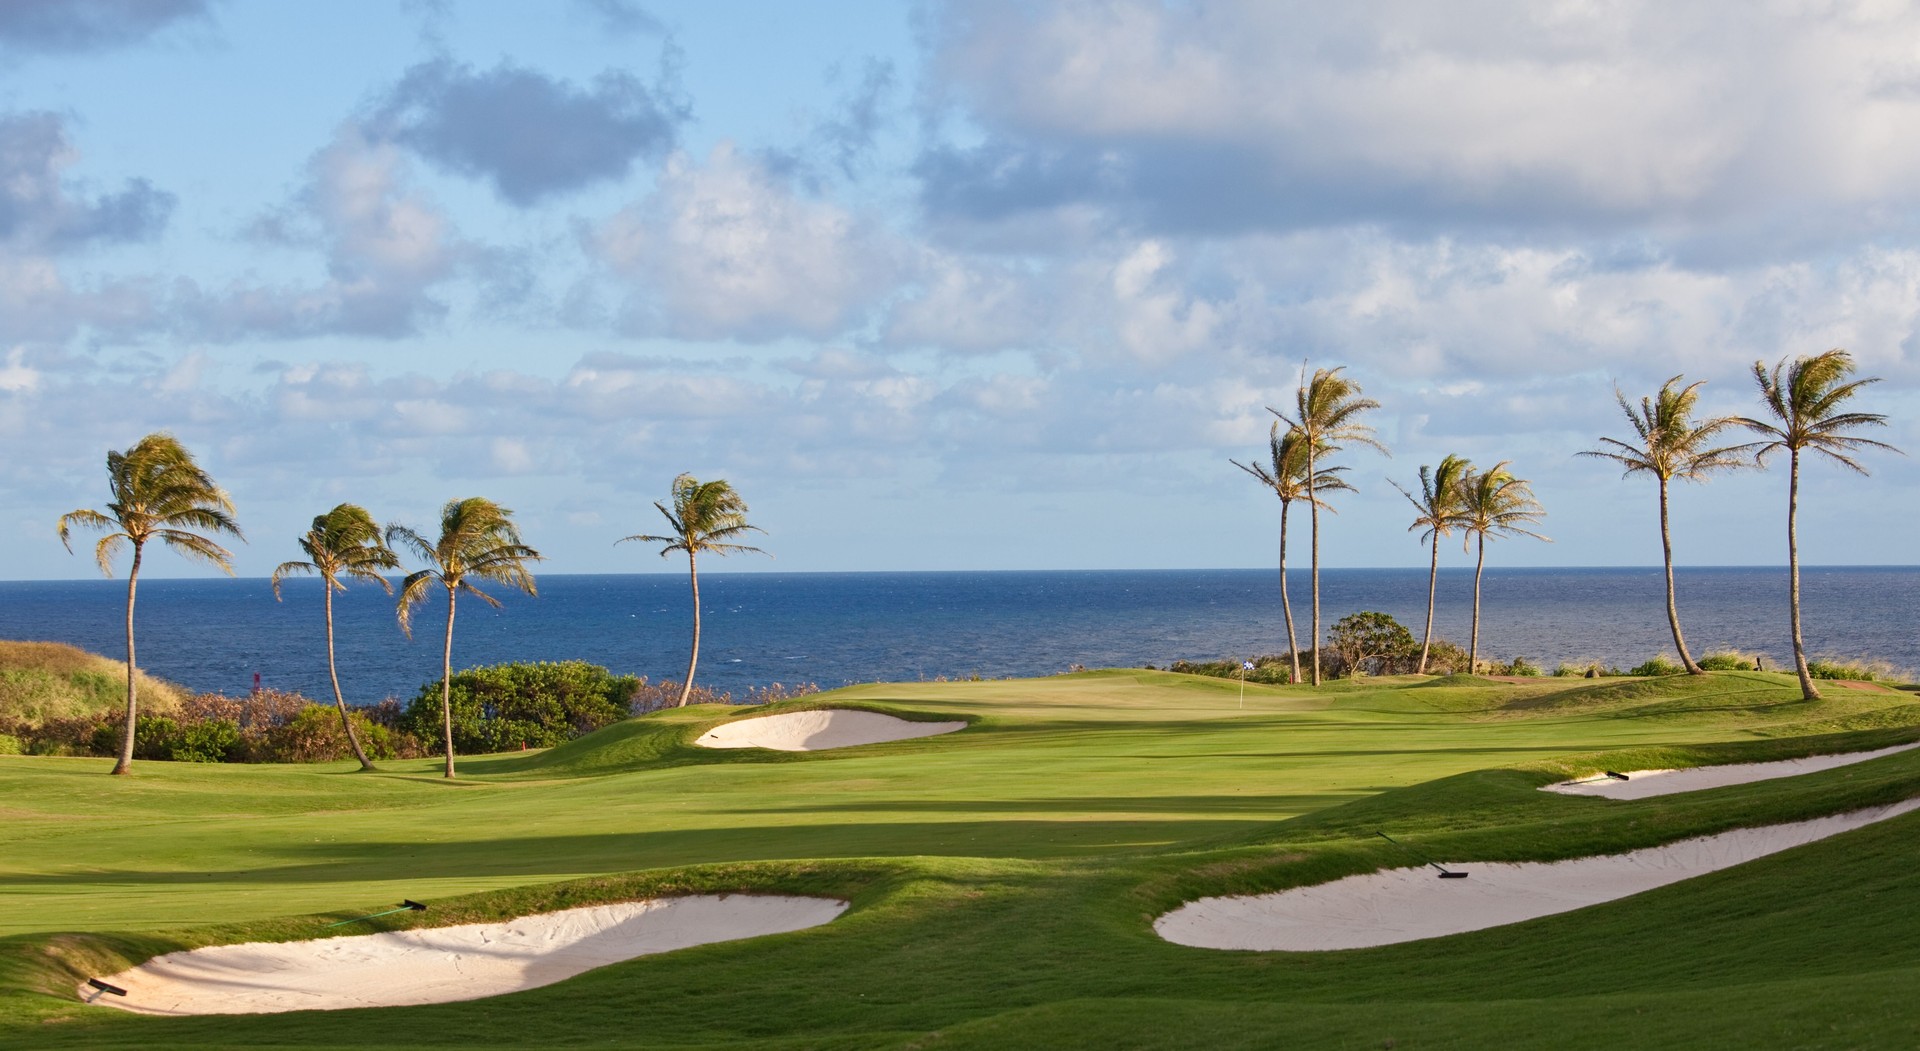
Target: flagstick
(1243,684)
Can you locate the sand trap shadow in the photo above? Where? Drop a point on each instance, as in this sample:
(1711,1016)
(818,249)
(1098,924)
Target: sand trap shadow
(445,964)
(1644,784)
(820,729)
(1403,905)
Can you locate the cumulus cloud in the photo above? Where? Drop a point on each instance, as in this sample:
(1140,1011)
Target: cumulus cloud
(387,249)
(727,249)
(88,25)
(39,210)
(529,135)
(1249,115)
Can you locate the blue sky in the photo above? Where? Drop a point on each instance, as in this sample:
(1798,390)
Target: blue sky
(943,286)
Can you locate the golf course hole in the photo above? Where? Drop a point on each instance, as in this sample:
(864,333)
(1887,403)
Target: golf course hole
(820,729)
(1410,904)
(443,964)
(1644,784)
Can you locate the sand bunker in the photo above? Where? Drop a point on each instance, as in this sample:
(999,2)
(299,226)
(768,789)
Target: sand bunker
(1403,905)
(820,729)
(1641,784)
(444,964)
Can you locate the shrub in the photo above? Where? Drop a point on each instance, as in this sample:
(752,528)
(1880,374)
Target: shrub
(1371,641)
(1444,658)
(207,741)
(1521,666)
(1833,669)
(314,735)
(1726,660)
(507,706)
(1657,666)
(11,745)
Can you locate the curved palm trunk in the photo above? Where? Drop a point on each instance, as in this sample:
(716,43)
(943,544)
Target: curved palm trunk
(1673,610)
(340,701)
(446,684)
(693,661)
(1473,642)
(125,763)
(1313,507)
(1433,579)
(1286,604)
(1793,570)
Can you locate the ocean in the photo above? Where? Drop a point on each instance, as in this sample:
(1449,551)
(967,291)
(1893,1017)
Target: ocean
(832,629)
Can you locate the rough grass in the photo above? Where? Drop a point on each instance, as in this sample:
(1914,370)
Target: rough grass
(40,681)
(1004,878)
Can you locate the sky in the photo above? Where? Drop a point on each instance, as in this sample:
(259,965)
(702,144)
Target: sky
(983,285)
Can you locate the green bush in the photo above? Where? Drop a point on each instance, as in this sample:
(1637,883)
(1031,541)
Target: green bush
(211,741)
(537,705)
(1726,660)
(1524,667)
(314,735)
(10,745)
(1828,669)
(1657,666)
(1372,642)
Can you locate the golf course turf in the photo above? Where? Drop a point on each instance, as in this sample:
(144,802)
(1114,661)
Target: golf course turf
(1003,881)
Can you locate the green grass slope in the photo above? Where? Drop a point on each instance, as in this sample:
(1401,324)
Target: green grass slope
(40,681)
(1004,878)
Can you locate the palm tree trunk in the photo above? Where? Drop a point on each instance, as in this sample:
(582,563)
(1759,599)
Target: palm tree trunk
(1807,688)
(446,684)
(1286,604)
(1313,507)
(1673,610)
(693,661)
(125,763)
(1473,641)
(1433,579)
(340,701)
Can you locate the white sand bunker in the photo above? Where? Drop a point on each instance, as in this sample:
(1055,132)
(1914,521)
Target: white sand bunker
(1403,905)
(444,964)
(820,729)
(1642,784)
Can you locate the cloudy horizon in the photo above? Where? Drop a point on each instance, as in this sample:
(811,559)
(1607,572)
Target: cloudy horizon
(984,285)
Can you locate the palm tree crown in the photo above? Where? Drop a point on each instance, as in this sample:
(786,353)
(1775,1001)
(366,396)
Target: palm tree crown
(1286,474)
(1805,398)
(345,541)
(706,516)
(1670,444)
(1493,503)
(159,493)
(1441,509)
(478,540)
(1327,411)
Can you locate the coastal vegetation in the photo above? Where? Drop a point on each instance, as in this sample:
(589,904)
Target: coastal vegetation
(1806,399)
(346,541)
(1003,880)
(478,541)
(506,706)
(706,516)
(1493,503)
(159,493)
(1441,508)
(1287,473)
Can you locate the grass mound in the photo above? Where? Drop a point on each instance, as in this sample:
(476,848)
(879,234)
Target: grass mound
(43,681)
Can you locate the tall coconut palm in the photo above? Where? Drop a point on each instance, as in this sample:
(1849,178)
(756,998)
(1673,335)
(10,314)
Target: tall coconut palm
(706,516)
(1805,396)
(1327,410)
(478,540)
(1668,444)
(159,493)
(346,541)
(1493,503)
(1286,475)
(1440,509)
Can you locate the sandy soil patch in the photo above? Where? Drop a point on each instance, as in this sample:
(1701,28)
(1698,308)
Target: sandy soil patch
(820,729)
(1642,784)
(444,964)
(1403,905)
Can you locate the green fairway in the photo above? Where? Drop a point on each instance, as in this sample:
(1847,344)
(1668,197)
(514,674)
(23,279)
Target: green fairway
(1004,878)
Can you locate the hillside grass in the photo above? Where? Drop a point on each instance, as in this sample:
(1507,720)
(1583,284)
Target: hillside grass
(41,681)
(1004,878)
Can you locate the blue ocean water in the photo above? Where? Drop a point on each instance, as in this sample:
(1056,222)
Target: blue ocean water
(839,628)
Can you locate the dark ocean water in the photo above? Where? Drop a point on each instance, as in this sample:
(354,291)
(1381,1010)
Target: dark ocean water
(839,628)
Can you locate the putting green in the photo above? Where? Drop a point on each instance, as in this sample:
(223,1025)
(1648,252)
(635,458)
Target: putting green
(1003,881)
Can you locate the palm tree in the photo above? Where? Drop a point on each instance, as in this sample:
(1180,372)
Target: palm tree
(477,539)
(1493,503)
(344,540)
(159,493)
(1670,444)
(1805,396)
(1287,477)
(1327,412)
(1440,510)
(705,517)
